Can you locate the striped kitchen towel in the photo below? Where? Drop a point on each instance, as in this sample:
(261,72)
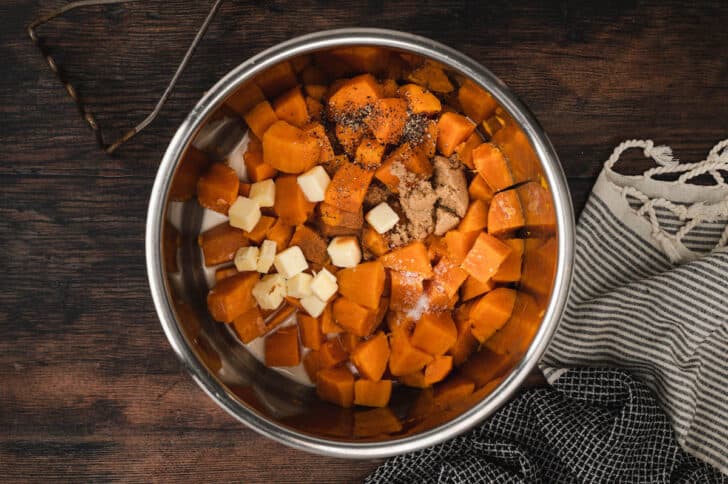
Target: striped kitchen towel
(639,364)
(650,291)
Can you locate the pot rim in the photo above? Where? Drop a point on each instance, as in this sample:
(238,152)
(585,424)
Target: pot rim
(342,38)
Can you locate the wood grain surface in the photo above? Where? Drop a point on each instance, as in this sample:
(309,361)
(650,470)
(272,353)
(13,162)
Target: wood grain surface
(89,388)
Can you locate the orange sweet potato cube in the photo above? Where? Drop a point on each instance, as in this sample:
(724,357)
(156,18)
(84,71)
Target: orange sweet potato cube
(472,288)
(256,169)
(217,189)
(281,348)
(290,203)
(318,131)
(516,335)
(363,58)
(231,296)
(261,228)
(492,165)
(328,325)
(244,189)
(410,258)
(349,341)
(453,129)
(491,312)
(224,273)
(260,118)
(369,153)
(245,98)
(290,149)
(362,284)
(249,325)
(291,107)
(405,358)
(336,385)
(184,183)
(280,233)
(465,344)
(348,187)
(311,243)
(389,88)
(387,119)
(419,99)
(538,208)
(510,270)
(414,158)
(384,175)
(406,290)
(220,243)
(476,217)
(315,108)
(476,102)
(277,79)
(371,356)
(349,136)
(372,393)
(354,94)
(353,317)
(415,380)
(486,256)
(435,333)
(448,277)
(459,244)
(312,364)
(431,75)
(479,190)
(334,221)
(332,353)
(485,366)
(464,150)
(310,331)
(505,215)
(316,91)
(539,265)
(437,369)
(374,242)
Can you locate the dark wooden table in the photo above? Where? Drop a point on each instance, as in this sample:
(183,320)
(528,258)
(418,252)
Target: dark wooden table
(89,388)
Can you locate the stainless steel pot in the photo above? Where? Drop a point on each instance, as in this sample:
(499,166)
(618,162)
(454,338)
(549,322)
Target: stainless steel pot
(265,400)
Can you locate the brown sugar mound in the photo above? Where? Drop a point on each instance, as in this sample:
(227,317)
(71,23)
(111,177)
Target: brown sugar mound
(417,199)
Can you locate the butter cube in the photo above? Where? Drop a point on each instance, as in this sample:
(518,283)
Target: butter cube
(313,183)
(244,214)
(313,305)
(270,291)
(290,262)
(299,285)
(382,218)
(344,251)
(324,285)
(246,258)
(263,192)
(267,255)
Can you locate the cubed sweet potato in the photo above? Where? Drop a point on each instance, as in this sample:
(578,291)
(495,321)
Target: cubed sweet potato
(464,151)
(334,221)
(476,217)
(374,242)
(410,258)
(260,230)
(245,97)
(491,312)
(479,190)
(281,348)
(431,75)
(453,129)
(231,296)
(225,272)
(348,187)
(538,208)
(184,183)
(406,290)
(419,99)
(405,358)
(510,270)
(249,325)
(310,331)
(447,279)
(280,233)
(465,344)
(316,91)
(486,256)
(363,283)
(291,107)
(539,266)
(472,288)
(516,335)
(290,204)
(332,353)
(435,333)
(485,366)
(505,215)
(389,88)
(372,393)
(277,79)
(260,118)
(493,166)
(459,244)
(290,149)
(349,341)
(311,243)
(217,189)
(336,385)
(315,109)
(369,153)
(244,189)
(256,168)
(353,317)
(384,174)
(318,131)
(312,364)
(414,158)
(437,369)
(349,136)
(387,119)
(354,94)
(220,243)
(371,356)
(476,102)
(363,58)
(328,325)
(278,316)
(517,149)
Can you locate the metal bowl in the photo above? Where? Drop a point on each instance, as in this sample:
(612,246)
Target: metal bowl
(264,399)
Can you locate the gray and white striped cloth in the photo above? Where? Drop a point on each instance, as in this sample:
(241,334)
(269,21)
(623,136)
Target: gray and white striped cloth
(650,291)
